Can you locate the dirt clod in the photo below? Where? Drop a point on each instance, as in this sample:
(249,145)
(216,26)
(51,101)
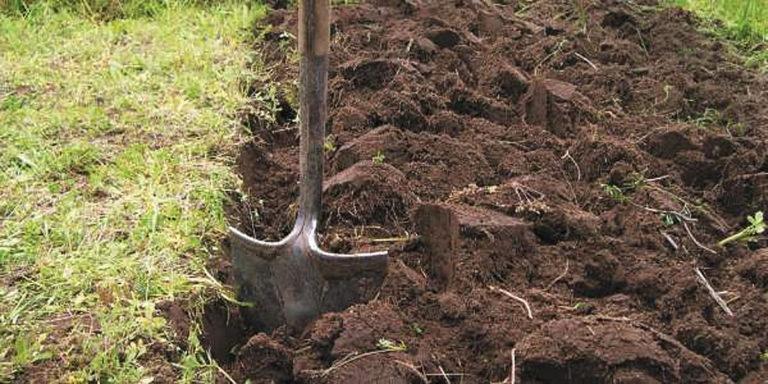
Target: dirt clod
(439,230)
(264,359)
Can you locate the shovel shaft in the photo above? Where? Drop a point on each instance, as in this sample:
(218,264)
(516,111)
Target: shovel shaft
(293,281)
(314,47)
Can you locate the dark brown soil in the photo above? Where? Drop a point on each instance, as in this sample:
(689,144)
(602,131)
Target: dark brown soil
(513,117)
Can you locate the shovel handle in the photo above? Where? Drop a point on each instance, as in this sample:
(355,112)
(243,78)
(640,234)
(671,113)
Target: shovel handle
(314,47)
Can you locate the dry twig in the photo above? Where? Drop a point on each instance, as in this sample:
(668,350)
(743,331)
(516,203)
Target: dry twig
(445,376)
(670,240)
(513,296)
(568,156)
(580,56)
(719,300)
(512,370)
(558,278)
(346,360)
(695,241)
(413,369)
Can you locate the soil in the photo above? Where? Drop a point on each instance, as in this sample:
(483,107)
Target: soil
(509,121)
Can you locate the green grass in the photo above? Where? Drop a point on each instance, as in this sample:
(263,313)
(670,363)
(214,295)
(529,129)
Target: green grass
(745,22)
(104,9)
(116,144)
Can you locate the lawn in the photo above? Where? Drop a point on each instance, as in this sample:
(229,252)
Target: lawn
(745,22)
(117,137)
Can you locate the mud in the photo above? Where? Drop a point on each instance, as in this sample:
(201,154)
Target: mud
(588,152)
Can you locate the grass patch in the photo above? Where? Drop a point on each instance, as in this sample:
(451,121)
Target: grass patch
(116,144)
(744,22)
(105,9)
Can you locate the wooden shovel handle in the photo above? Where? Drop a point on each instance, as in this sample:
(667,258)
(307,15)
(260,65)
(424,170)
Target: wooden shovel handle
(314,47)
(314,27)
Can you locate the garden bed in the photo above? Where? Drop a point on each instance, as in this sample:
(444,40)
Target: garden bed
(594,153)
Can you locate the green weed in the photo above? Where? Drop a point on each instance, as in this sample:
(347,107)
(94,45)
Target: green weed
(614,192)
(669,219)
(417,329)
(634,182)
(389,345)
(708,118)
(712,118)
(756,226)
(329,144)
(378,158)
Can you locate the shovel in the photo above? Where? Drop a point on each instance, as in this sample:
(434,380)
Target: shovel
(293,281)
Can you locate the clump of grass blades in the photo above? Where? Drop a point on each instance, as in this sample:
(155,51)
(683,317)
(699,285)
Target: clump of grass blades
(117,143)
(105,9)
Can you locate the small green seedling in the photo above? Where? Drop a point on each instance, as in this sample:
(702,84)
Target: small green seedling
(764,356)
(329,144)
(667,90)
(709,118)
(669,219)
(378,158)
(756,226)
(614,192)
(416,328)
(634,182)
(389,345)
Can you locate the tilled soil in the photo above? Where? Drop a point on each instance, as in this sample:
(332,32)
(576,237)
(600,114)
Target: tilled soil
(592,153)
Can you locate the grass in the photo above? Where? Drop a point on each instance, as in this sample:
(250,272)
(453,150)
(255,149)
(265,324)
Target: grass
(104,9)
(745,22)
(116,144)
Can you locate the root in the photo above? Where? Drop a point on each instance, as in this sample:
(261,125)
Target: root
(719,300)
(568,156)
(695,241)
(591,64)
(352,357)
(514,297)
(558,278)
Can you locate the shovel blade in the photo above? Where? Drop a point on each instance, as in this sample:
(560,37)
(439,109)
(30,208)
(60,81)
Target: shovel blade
(288,282)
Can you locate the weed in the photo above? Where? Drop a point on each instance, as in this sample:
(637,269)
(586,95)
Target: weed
(391,346)
(756,226)
(735,129)
(583,17)
(417,329)
(264,104)
(710,117)
(378,158)
(614,192)
(329,144)
(667,92)
(670,219)
(634,182)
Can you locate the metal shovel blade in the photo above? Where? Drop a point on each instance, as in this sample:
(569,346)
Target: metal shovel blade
(293,281)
